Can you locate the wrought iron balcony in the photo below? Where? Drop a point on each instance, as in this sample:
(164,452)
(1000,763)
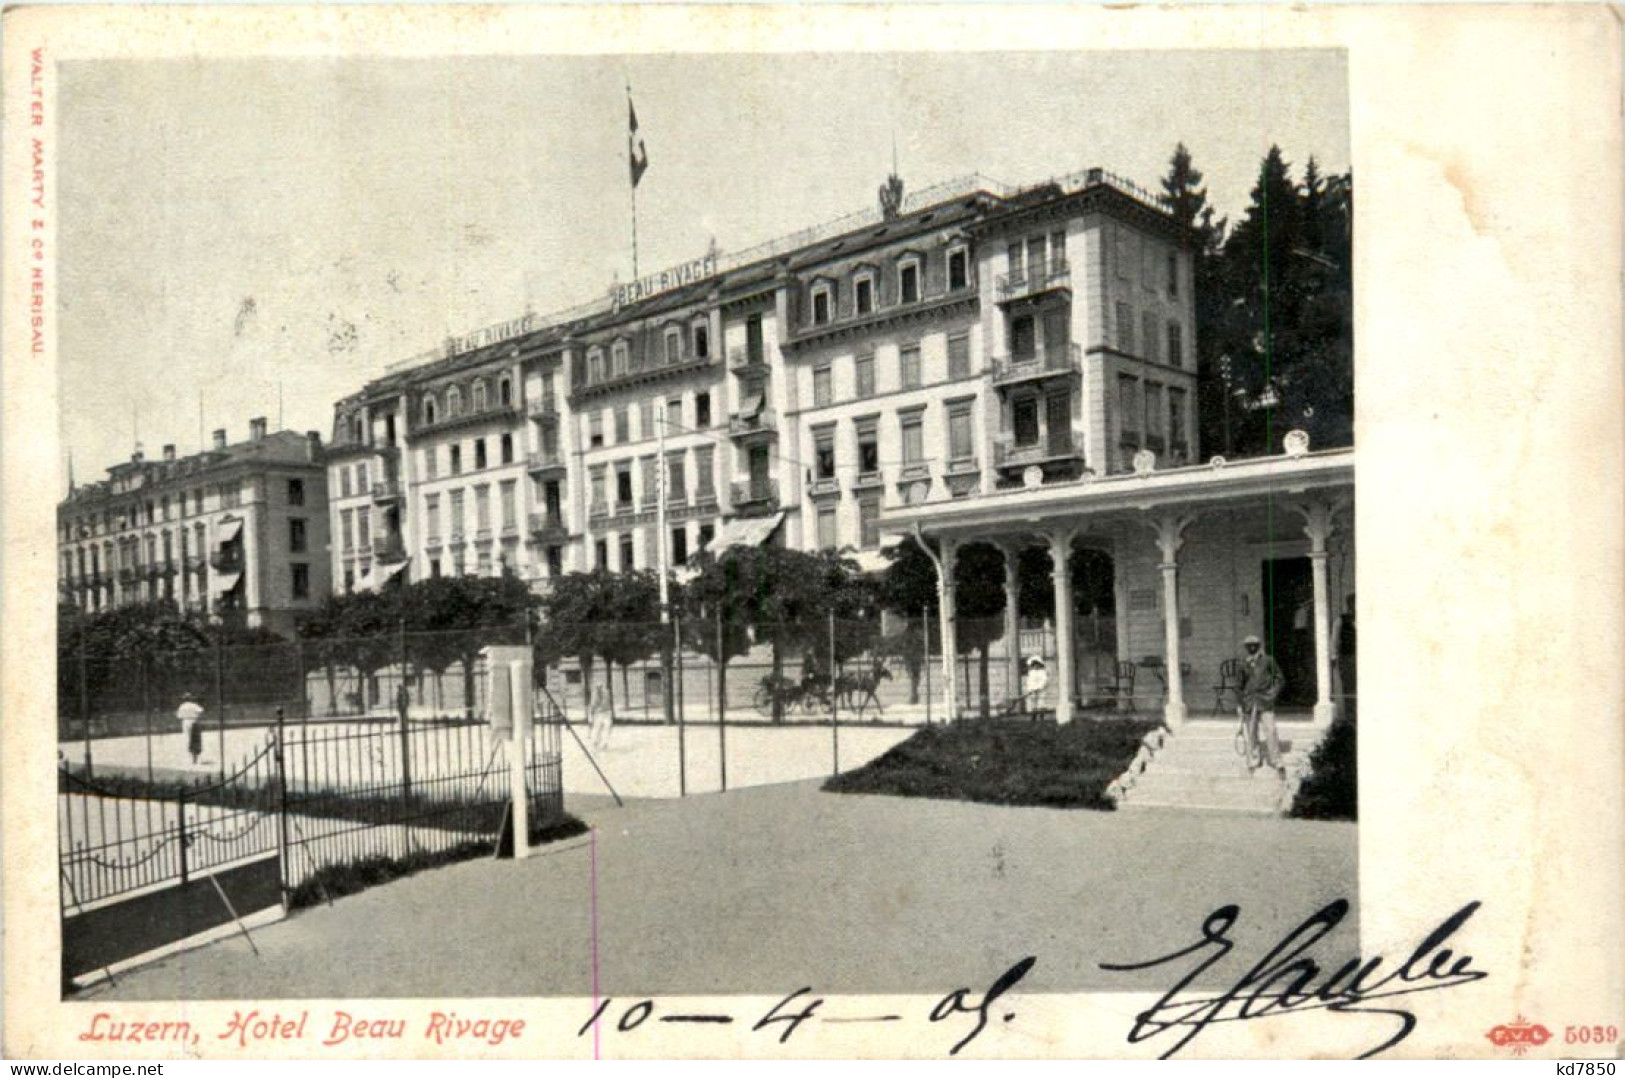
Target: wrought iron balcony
(740,361)
(747,427)
(543,464)
(755,497)
(826,487)
(388,549)
(543,409)
(1032,281)
(386,490)
(1062,362)
(226,563)
(544,526)
(1058,446)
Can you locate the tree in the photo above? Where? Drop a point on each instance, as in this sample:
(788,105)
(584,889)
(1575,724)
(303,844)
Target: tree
(633,631)
(571,614)
(454,618)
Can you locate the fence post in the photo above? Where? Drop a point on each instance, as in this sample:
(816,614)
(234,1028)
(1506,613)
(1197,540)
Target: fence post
(834,700)
(299,671)
(722,701)
(282,807)
(180,819)
(220,695)
(403,699)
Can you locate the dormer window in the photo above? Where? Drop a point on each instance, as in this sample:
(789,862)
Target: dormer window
(595,365)
(620,358)
(478,395)
(958,269)
(674,345)
(822,304)
(863,294)
(454,402)
(700,335)
(908,281)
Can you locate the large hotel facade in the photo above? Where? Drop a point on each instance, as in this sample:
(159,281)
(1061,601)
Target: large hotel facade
(1015,366)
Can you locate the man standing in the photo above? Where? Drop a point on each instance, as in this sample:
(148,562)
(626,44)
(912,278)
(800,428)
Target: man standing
(1261,683)
(190,713)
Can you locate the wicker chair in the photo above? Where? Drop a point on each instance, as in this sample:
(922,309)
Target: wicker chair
(1229,682)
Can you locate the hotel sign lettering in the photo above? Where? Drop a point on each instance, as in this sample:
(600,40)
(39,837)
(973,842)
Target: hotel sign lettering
(655,283)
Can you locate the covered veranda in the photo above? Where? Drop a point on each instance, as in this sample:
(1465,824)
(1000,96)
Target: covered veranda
(1200,557)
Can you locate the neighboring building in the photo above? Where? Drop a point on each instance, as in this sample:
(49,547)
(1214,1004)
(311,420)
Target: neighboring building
(236,531)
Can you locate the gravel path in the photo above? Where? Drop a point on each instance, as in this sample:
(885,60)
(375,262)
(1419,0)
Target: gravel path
(764,890)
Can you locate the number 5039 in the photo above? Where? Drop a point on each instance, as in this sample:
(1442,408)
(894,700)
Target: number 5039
(1590,1034)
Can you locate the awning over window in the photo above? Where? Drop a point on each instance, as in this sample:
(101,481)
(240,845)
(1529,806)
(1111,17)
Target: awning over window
(752,406)
(876,561)
(379,575)
(751,531)
(228,530)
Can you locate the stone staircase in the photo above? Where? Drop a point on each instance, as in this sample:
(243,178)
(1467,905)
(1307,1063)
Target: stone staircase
(1199,770)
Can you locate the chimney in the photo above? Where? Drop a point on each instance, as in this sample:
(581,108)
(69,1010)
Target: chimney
(169,454)
(313,444)
(256,429)
(137,456)
(220,438)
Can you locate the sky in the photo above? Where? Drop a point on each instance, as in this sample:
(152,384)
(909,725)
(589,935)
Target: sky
(243,236)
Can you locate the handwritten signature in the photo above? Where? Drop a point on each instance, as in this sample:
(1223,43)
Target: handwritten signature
(1287,980)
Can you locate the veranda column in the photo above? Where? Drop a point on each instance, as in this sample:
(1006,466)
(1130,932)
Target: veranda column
(1317,525)
(1170,532)
(1012,620)
(1060,551)
(946,616)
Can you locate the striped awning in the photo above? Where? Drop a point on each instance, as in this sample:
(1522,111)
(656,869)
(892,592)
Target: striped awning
(749,531)
(228,530)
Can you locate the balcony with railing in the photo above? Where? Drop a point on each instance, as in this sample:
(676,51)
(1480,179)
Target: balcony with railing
(1056,447)
(754,426)
(1033,281)
(741,361)
(545,464)
(755,497)
(545,526)
(388,549)
(542,409)
(1064,361)
(223,561)
(194,563)
(386,490)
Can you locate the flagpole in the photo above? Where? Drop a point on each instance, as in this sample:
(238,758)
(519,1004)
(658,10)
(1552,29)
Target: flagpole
(634,232)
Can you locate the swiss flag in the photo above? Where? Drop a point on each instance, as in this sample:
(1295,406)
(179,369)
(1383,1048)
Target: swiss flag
(637,154)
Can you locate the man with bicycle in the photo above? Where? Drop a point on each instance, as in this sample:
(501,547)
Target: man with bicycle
(1261,684)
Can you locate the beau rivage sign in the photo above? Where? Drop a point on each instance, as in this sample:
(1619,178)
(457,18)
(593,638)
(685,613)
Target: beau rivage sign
(686,273)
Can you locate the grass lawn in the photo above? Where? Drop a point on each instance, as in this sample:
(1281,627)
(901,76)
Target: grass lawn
(1005,763)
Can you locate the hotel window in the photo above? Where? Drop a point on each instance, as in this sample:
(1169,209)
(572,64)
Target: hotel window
(623,425)
(344,488)
(296,495)
(646,417)
(908,282)
(1018,263)
(1177,441)
(456,515)
(1057,250)
(822,381)
(1128,405)
(865,365)
(1024,421)
(595,424)
(628,562)
(707,533)
(1125,327)
(820,304)
(478,396)
(827,533)
(958,269)
(753,339)
(483,564)
(1173,274)
(674,415)
(510,504)
(863,295)
(705,484)
(676,479)
(1121,252)
(868,447)
(1147,260)
(647,465)
(1153,412)
(482,507)
(868,523)
(1176,345)
(913,427)
(301,581)
(1148,334)
(454,402)
(1023,337)
(479,454)
(456,460)
(347,529)
(505,392)
(434,568)
(231,495)
(674,345)
(555,561)
(431,513)
(679,545)
(363,529)
(623,485)
(600,495)
(620,358)
(428,410)
(702,411)
(600,554)
(595,365)
(908,366)
(824,454)
(296,536)
(959,356)
(507,449)
(700,335)
(961,439)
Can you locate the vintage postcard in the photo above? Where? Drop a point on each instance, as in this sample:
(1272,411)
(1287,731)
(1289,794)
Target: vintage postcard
(776,531)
